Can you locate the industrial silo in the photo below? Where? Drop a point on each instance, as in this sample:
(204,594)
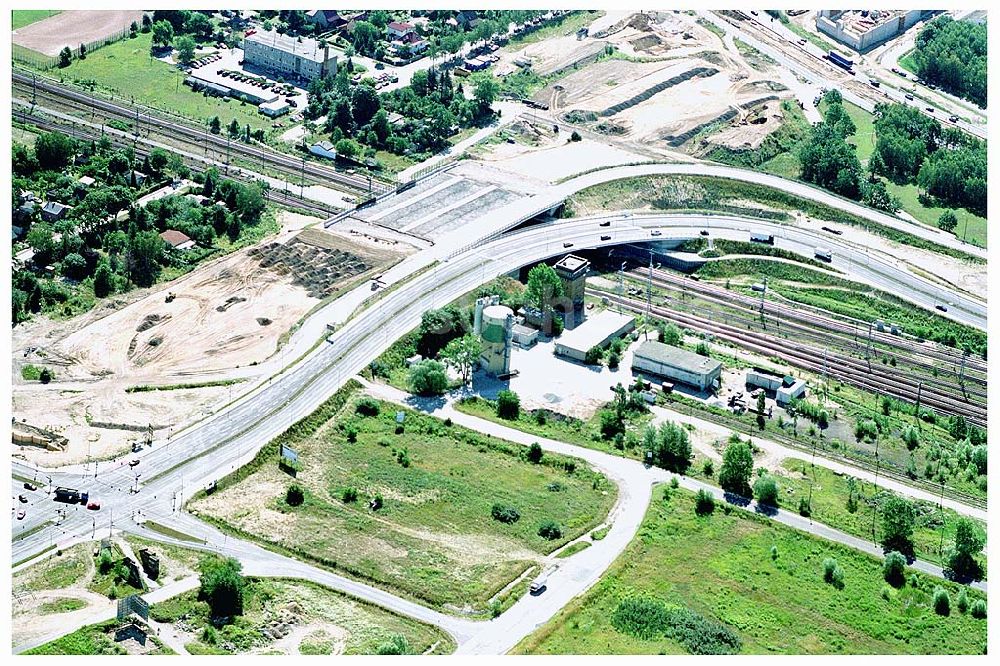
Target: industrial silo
(497,331)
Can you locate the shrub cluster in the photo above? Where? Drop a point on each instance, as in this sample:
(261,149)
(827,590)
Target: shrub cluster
(505,514)
(647,618)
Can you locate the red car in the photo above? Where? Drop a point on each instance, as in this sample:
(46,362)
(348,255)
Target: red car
(94,505)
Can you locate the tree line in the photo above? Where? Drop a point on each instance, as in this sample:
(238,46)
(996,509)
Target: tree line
(952,54)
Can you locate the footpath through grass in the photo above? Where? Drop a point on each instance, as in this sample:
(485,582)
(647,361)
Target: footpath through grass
(96,639)
(329,619)
(434,537)
(765,583)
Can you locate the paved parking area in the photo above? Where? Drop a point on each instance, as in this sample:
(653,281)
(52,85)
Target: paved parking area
(556,382)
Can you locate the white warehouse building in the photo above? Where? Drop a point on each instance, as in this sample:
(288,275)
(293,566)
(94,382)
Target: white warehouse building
(676,364)
(596,331)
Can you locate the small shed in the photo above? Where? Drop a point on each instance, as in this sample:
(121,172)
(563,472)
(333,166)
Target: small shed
(324,149)
(54,211)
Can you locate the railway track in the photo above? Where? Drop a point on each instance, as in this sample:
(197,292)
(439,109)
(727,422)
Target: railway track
(842,324)
(919,356)
(844,369)
(142,149)
(798,332)
(32,87)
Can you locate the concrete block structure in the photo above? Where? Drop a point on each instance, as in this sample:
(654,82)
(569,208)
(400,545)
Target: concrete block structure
(863,30)
(572,271)
(785,387)
(676,364)
(294,57)
(597,331)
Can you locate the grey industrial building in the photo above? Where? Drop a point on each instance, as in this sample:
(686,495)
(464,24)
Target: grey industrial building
(301,57)
(596,331)
(864,29)
(677,365)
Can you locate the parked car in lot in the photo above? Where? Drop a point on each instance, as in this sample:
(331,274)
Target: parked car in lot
(94,505)
(28,485)
(655,232)
(21,514)
(605,238)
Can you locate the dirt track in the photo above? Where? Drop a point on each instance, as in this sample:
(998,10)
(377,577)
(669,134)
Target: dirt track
(72,28)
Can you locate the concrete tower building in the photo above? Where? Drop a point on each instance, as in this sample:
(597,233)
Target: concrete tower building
(496,329)
(572,270)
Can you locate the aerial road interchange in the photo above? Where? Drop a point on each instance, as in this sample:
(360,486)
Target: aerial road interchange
(158,489)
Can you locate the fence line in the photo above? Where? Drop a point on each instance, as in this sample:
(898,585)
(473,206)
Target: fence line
(41,61)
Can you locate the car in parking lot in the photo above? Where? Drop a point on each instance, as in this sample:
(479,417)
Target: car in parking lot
(94,505)
(21,514)
(606,223)
(28,485)
(655,232)
(605,238)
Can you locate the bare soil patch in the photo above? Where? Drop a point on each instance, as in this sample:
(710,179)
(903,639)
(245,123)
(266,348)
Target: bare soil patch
(225,315)
(72,28)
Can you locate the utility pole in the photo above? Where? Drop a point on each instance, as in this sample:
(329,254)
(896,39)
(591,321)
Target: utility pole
(875,491)
(621,286)
(941,509)
(649,294)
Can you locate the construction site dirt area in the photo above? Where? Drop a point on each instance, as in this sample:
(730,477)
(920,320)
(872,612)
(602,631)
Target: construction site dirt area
(656,81)
(196,338)
(72,28)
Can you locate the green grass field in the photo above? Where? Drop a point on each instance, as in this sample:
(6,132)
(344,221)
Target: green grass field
(556,426)
(434,538)
(829,506)
(126,68)
(722,567)
(22,17)
(970,227)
